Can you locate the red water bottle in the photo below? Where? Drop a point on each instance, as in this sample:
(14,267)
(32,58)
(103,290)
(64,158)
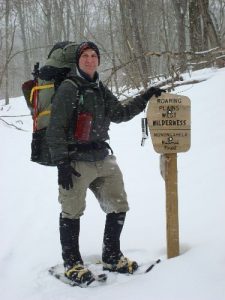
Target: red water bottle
(83,127)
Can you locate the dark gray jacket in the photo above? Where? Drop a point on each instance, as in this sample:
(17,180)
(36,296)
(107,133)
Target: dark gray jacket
(95,98)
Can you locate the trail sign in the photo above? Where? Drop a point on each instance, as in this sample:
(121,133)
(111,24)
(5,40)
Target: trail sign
(169,123)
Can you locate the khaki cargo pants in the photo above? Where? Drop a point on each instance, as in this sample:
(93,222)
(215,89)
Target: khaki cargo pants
(104,179)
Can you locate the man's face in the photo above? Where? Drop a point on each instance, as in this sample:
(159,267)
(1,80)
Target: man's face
(88,62)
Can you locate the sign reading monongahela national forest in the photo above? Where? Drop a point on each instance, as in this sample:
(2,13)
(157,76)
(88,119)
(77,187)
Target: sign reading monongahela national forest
(169,121)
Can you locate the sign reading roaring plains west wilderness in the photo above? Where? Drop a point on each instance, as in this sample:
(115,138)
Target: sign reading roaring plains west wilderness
(169,122)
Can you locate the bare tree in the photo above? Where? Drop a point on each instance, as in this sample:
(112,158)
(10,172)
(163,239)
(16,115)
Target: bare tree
(47,9)
(134,6)
(210,35)
(112,44)
(180,7)
(139,40)
(132,32)
(7,7)
(127,49)
(217,12)
(20,4)
(8,37)
(195,26)
(203,34)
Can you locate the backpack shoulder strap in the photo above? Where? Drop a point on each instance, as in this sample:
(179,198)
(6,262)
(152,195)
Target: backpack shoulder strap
(102,89)
(72,82)
(79,95)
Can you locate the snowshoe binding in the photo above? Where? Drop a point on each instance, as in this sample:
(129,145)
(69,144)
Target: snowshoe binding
(79,275)
(123,265)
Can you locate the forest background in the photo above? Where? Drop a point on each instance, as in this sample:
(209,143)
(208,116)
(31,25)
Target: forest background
(141,42)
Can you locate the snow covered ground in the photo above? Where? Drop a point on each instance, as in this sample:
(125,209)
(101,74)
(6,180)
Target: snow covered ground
(29,210)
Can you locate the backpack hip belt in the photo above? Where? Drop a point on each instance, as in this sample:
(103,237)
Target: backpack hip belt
(90,146)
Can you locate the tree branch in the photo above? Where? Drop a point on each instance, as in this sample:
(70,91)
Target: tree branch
(12,125)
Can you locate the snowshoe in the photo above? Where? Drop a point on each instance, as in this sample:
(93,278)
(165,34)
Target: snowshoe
(76,275)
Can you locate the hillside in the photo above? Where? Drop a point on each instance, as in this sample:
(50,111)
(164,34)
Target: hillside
(29,211)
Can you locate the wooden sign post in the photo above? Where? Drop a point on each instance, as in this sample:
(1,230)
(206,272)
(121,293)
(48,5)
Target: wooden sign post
(169,123)
(172,228)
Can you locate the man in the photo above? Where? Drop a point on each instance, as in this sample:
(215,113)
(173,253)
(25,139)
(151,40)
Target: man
(82,110)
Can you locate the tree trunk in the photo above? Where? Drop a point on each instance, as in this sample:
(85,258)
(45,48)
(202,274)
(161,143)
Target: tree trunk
(113,47)
(26,61)
(180,7)
(48,16)
(128,54)
(68,10)
(138,42)
(195,26)
(7,8)
(211,38)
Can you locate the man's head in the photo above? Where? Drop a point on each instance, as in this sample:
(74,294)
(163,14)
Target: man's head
(88,58)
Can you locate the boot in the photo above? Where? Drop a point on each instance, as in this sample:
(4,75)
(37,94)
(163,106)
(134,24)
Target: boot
(69,236)
(73,263)
(112,257)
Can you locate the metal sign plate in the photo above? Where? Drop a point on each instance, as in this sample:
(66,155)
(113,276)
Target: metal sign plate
(169,121)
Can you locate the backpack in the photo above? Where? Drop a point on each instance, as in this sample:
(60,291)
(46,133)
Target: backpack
(39,92)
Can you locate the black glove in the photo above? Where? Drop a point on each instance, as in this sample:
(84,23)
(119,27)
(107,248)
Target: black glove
(152,91)
(65,172)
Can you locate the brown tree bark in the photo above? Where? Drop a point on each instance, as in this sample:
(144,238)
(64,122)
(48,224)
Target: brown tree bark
(211,39)
(7,8)
(180,7)
(19,4)
(195,26)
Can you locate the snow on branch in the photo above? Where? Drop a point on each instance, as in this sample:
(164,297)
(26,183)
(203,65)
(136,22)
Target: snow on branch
(192,53)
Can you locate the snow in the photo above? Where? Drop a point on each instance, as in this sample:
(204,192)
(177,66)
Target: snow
(29,236)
